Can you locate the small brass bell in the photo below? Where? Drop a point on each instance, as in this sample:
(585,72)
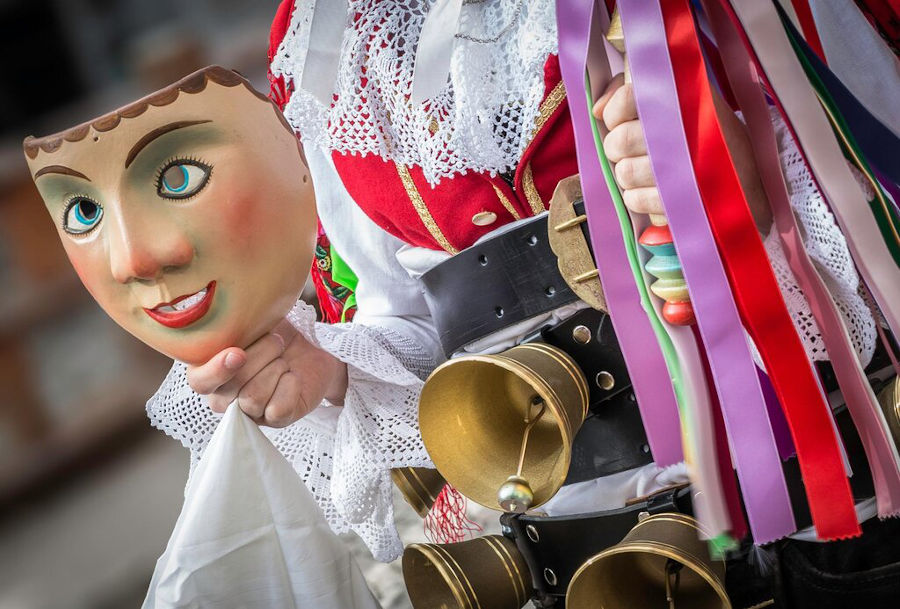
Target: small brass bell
(515,495)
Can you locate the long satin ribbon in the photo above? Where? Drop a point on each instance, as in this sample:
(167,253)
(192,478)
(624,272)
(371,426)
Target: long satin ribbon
(744,407)
(877,142)
(884,211)
(810,33)
(797,101)
(656,398)
(755,288)
(861,401)
(323,56)
(681,352)
(431,68)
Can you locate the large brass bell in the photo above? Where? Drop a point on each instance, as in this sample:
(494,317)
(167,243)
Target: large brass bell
(482,573)
(500,427)
(419,486)
(661,564)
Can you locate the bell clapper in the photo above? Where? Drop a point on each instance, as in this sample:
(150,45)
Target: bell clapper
(673,576)
(515,495)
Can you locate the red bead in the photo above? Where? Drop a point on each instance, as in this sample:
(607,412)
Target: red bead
(655,235)
(678,313)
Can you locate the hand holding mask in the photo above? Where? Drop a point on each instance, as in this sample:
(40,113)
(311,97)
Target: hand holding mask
(189,215)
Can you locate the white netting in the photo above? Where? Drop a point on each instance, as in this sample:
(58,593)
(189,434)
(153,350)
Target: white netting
(827,249)
(343,454)
(480,121)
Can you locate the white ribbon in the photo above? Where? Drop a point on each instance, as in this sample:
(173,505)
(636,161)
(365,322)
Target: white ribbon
(320,67)
(435,48)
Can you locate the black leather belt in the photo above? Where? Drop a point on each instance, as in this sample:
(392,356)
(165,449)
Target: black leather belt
(555,547)
(494,284)
(612,438)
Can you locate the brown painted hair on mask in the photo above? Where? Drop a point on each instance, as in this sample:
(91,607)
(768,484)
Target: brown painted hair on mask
(193,83)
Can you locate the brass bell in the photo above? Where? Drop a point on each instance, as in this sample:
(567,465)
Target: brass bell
(485,418)
(419,486)
(485,572)
(661,563)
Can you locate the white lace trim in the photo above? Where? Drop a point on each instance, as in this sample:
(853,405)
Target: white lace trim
(827,249)
(480,121)
(343,454)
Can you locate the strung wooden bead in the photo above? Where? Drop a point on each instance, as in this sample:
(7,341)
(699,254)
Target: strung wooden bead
(670,285)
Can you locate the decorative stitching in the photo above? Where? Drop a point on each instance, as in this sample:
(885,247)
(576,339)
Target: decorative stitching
(549,106)
(424,214)
(506,204)
(531,193)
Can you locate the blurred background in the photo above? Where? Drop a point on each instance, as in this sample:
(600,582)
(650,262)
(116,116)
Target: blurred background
(89,492)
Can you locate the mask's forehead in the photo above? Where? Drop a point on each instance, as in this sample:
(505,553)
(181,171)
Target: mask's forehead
(234,110)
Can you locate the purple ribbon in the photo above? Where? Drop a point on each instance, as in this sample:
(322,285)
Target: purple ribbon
(743,404)
(649,375)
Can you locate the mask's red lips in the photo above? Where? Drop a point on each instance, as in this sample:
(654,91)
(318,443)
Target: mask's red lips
(171,315)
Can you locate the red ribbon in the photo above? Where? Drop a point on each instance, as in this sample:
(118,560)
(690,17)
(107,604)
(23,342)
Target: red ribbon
(808,25)
(756,291)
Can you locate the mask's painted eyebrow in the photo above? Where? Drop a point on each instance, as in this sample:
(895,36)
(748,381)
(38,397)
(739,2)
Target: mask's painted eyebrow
(152,135)
(66,171)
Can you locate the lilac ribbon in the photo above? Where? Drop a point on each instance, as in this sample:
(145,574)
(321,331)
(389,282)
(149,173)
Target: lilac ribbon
(743,404)
(861,401)
(649,375)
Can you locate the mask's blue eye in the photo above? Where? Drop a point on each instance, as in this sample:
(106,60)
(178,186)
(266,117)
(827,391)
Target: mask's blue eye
(81,216)
(182,179)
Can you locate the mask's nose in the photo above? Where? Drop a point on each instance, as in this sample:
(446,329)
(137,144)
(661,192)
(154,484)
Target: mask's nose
(140,250)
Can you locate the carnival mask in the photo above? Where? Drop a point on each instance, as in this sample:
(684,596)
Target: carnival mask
(189,215)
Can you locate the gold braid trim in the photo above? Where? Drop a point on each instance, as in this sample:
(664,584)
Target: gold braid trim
(531,193)
(549,106)
(506,204)
(424,214)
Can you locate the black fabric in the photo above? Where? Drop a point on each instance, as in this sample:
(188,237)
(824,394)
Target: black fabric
(494,284)
(860,573)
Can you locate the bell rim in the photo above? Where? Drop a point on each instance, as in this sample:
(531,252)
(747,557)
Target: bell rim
(429,551)
(550,397)
(464,592)
(400,477)
(662,549)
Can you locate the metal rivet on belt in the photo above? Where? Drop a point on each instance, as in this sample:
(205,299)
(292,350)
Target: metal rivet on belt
(482,259)
(532,533)
(484,218)
(581,335)
(550,576)
(605,380)
(498,311)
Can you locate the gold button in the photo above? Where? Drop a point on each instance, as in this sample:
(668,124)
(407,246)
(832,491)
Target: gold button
(484,218)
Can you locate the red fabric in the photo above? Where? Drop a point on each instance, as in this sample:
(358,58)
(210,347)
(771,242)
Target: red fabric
(278,91)
(756,290)
(377,188)
(808,24)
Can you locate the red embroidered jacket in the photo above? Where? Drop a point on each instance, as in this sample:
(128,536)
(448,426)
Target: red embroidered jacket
(457,211)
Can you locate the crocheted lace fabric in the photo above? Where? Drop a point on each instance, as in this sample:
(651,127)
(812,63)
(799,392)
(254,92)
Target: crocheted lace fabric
(344,454)
(480,121)
(827,249)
